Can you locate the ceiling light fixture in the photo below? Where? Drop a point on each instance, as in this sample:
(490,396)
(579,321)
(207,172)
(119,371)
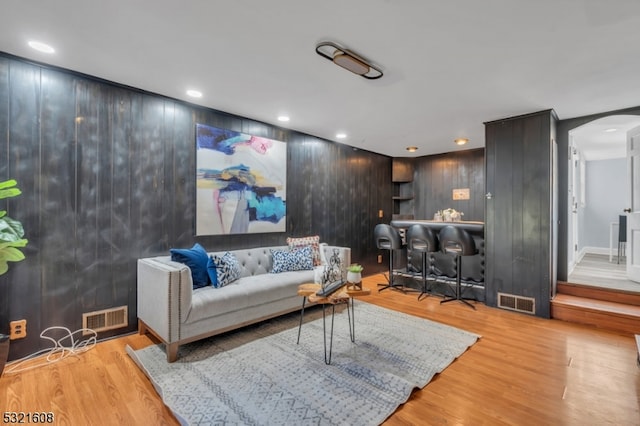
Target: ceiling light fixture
(41,47)
(348,60)
(341,135)
(412,148)
(194,93)
(461,141)
(611,130)
(283,118)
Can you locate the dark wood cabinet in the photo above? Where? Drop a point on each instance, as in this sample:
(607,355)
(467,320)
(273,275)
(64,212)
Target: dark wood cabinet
(520,217)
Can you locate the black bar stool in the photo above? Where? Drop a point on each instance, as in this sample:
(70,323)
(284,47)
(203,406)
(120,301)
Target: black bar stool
(388,238)
(622,236)
(460,243)
(422,240)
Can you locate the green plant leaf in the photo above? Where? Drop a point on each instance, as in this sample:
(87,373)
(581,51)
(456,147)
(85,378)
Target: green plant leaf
(17,243)
(10,254)
(8,189)
(8,183)
(4,266)
(10,229)
(8,193)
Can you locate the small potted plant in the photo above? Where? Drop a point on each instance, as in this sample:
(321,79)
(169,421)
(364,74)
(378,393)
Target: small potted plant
(354,276)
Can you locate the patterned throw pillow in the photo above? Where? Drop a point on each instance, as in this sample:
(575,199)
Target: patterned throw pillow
(294,260)
(313,242)
(196,259)
(227,268)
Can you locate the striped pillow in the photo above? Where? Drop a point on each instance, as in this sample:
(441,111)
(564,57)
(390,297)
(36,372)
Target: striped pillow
(312,241)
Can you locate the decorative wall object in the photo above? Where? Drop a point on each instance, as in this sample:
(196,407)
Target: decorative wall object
(460,194)
(240,183)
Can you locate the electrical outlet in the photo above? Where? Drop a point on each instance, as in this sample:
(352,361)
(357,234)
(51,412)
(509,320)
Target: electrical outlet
(18,329)
(379,258)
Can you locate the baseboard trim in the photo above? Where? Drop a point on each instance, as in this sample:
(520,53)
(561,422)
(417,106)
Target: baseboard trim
(593,250)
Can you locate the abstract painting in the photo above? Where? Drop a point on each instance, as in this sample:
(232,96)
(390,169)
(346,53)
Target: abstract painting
(240,182)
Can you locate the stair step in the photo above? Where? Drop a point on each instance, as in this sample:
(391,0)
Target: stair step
(598,313)
(598,293)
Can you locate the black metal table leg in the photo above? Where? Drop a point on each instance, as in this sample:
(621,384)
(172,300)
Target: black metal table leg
(352,318)
(324,329)
(304,299)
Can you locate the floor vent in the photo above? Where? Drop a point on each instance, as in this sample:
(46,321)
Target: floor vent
(517,303)
(107,319)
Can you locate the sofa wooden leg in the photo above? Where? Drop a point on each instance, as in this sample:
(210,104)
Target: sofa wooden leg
(172,352)
(142,327)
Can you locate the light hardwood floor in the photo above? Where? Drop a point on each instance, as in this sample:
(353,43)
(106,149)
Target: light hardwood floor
(523,371)
(596,270)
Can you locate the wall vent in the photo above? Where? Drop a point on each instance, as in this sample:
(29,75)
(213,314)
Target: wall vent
(107,319)
(517,303)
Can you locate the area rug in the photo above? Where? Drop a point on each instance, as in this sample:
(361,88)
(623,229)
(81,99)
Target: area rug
(260,376)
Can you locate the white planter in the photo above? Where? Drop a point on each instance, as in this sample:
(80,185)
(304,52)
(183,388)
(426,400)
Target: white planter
(354,278)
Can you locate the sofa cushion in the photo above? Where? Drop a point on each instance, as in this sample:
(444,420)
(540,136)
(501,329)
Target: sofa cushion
(312,241)
(196,259)
(227,269)
(246,292)
(292,260)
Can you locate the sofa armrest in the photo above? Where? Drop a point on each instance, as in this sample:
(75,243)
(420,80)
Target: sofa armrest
(164,296)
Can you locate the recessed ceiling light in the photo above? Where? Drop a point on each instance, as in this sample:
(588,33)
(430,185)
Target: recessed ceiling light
(194,93)
(611,130)
(283,118)
(412,148)
(41,47)
(341,135)
(461,141)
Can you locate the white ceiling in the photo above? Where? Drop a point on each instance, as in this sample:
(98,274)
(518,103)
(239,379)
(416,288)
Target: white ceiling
(605,138)
(448,66)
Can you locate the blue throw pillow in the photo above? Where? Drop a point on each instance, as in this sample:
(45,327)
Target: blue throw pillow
(294,260)
(213,273)
(196,259)
(227,268)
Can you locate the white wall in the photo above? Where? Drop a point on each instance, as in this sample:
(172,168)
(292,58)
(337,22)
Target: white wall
(606,189)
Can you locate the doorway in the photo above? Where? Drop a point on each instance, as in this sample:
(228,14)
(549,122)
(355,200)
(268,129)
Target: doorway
(597,195)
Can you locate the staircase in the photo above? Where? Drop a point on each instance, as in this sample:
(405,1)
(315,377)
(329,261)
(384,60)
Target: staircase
(614,310)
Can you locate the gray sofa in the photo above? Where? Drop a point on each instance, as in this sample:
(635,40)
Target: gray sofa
(174,312)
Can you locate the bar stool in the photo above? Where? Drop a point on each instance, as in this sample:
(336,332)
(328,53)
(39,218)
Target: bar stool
(388,238)
(622,236)
(460,243)
(422,240)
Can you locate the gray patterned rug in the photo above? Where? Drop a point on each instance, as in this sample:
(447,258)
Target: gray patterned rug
(259,376)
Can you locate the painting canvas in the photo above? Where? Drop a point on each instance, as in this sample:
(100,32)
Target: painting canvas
(240,182)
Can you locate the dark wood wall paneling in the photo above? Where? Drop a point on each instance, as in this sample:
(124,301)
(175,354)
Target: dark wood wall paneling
(436,177)
(519,229)
(108,176)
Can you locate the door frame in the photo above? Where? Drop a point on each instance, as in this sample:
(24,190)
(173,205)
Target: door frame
(563,128)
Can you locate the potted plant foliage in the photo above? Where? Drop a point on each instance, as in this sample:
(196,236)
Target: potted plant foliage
(11,241)
(354,275)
